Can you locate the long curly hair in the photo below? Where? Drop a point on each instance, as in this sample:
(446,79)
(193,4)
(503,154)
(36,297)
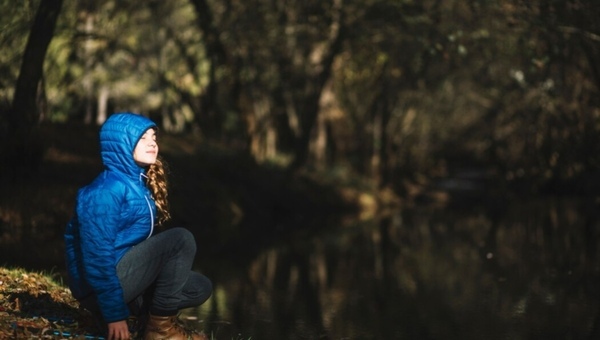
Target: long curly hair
(157,183)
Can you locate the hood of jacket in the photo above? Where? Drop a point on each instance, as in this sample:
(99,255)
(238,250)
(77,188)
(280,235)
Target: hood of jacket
(119,136)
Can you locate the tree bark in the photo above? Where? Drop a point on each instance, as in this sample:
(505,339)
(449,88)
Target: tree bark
(318,76)
(21,149)
(24,113)
(210,111)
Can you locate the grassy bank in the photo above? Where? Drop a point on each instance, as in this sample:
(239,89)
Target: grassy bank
(34,305)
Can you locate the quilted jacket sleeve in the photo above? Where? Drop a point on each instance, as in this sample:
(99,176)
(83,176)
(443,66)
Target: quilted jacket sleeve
(100,220)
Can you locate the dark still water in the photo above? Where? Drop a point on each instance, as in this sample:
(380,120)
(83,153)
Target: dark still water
(522,270)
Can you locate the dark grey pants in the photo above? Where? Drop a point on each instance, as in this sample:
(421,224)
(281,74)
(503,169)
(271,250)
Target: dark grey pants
(156,275)
(160,268)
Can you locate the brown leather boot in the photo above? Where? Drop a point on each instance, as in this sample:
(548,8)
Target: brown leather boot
(169,328)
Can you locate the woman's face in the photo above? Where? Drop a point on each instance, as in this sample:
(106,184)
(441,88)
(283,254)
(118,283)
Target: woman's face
(146,150)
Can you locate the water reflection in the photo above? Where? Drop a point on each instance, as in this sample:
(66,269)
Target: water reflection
(524,270)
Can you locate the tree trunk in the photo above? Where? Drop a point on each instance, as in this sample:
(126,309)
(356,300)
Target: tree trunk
(21,149)
(102,112)
(88,82)
(24,113)
(385,146)
(318,75)
(210,112)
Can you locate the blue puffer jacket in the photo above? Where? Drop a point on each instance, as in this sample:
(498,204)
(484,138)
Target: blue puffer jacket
(112,214)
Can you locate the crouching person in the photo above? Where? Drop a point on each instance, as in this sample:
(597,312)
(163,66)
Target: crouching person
(118,265)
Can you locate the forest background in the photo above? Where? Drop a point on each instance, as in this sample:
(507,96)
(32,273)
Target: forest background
(278,117)
(385,97)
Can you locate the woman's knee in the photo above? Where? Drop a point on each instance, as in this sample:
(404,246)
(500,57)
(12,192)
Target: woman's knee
(184,239)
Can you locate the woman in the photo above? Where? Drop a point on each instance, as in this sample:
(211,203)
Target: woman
(115,259)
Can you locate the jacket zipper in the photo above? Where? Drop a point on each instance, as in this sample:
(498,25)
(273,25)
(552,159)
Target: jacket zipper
(151,217)
(142,175)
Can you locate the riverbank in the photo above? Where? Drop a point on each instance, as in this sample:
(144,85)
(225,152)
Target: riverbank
(34,305)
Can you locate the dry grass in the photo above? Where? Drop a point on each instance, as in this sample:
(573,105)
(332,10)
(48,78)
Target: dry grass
(34,306)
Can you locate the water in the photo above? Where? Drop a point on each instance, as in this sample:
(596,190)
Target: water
(517,270)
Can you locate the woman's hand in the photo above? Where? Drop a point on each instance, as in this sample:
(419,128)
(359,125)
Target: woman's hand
(118,330)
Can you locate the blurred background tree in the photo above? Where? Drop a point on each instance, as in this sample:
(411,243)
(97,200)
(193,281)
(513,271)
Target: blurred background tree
(397,91)
(21,146)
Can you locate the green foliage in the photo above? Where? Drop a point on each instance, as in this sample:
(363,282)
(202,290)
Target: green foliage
(415,86)
(15,21)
